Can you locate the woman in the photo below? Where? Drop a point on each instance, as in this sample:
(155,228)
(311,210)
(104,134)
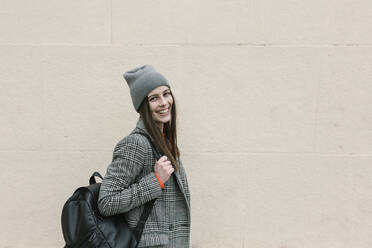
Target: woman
(135,177)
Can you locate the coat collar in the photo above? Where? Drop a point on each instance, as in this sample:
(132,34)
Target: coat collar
(140,127)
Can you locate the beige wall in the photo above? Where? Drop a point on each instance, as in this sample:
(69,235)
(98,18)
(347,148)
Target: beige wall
(275,113)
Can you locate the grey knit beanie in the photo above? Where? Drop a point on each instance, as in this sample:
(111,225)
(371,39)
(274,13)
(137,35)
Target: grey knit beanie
(141,81)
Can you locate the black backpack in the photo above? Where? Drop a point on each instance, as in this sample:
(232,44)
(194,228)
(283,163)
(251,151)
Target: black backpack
(84,227)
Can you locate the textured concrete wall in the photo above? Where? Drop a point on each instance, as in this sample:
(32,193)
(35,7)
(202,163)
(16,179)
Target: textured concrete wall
(275,113)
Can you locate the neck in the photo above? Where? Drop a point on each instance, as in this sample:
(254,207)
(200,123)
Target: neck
(160,126)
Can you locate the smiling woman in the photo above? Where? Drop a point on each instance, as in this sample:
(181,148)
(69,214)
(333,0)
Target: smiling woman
(136,177)
(161,102)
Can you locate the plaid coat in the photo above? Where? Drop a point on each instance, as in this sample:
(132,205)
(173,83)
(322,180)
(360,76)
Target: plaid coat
(130,182)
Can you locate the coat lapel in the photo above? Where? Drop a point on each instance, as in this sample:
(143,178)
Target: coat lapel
(180,184)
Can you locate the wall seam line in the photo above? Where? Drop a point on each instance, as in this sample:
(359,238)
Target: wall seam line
(111,40)
(188,45)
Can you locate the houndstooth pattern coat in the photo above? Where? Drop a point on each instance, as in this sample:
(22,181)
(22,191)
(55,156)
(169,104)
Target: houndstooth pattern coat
(130,182)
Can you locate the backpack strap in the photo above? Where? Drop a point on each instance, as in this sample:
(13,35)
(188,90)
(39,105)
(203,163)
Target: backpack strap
(137,231)
(92,179)
(149,205)
(154,150)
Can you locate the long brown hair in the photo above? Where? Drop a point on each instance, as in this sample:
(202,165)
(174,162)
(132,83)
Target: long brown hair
(167,144)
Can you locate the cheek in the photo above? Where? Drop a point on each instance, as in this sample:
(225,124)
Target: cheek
(152,107)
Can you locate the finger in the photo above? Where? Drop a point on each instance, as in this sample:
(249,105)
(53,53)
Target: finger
(171,170)
(166,163)
(163,158)
(166,168)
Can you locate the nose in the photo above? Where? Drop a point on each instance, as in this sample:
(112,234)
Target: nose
(162,101)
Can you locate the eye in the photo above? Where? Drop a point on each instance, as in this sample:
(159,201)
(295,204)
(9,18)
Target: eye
(167,93)
(152,99)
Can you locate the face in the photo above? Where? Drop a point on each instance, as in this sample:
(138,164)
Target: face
(160,101)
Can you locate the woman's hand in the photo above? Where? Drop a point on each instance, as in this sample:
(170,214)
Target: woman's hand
(163,168)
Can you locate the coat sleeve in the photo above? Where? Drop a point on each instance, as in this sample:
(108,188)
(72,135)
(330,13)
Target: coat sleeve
(120,191)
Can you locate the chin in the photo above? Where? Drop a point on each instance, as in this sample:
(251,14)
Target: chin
(163,121)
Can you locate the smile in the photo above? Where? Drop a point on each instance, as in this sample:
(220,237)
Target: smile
(164,112)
